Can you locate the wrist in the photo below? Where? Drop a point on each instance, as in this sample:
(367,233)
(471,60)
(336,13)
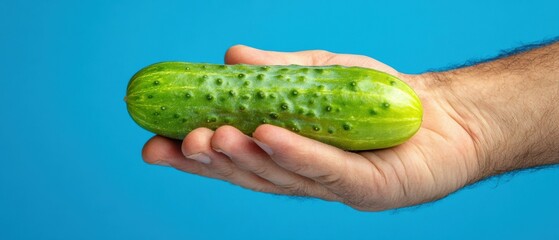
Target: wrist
(510,109)
(449,117)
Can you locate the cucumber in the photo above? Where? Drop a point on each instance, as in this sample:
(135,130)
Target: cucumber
(351,108)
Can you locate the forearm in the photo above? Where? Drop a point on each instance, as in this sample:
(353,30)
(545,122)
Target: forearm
(510,107)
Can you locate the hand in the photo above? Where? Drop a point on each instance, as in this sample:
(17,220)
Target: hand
(445,154)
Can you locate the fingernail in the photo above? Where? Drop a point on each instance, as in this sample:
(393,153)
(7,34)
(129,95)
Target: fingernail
(264,147)
(162,163)
(200,157)
(221,151)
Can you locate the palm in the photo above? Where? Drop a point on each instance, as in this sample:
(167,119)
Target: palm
(439,159)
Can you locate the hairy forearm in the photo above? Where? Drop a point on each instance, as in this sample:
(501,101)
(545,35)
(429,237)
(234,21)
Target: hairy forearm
(510,107)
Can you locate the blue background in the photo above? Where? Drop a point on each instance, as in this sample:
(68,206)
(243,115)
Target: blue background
(71,164)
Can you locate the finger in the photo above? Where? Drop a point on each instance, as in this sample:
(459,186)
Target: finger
(197,146)
(339,171)
(167,152)
(248,156)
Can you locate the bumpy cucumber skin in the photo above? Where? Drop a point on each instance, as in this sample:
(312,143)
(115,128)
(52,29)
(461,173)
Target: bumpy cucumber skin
(348,107)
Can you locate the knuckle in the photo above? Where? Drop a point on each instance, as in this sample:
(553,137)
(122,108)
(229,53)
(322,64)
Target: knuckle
(192,169)
(362,200)
(249,165)
(359,203)
(320,57)
(320,53)
(224,171)
(295,189)
(331,180)
(228,173)
(292,166)
(260,171)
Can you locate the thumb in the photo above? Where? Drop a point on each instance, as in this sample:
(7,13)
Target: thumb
(240,54)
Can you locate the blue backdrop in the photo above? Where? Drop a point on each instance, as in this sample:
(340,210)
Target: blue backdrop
(71,164)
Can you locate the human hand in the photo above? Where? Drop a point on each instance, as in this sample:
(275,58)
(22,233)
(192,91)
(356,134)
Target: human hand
(447,153)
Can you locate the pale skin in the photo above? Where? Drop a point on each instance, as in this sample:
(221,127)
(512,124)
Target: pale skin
(479,121)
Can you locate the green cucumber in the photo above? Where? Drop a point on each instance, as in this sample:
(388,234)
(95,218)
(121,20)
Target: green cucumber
(351,108)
